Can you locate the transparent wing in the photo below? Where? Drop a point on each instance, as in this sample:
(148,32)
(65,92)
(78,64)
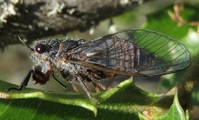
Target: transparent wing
(136,52)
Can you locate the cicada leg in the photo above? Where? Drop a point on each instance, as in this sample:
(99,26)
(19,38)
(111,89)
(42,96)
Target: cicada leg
(24,82)
(85,88)
(74,87)
(83,85)
(58,81)
(95,81)
(97,89)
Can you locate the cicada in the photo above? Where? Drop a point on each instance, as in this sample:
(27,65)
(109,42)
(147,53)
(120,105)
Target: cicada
(132,52)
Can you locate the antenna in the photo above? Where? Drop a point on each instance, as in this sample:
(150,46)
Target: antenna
(25,43)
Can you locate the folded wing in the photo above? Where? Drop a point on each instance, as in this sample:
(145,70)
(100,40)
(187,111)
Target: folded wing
(135,52)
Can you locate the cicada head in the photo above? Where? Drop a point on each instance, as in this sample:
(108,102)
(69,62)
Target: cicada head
(50,52)
(43,51)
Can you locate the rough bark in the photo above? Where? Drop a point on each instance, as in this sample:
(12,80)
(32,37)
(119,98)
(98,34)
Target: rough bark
(33,19)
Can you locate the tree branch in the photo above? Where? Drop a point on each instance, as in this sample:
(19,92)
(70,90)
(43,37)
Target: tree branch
(33,19)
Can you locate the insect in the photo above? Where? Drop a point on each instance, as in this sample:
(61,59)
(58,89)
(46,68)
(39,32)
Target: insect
(132,52)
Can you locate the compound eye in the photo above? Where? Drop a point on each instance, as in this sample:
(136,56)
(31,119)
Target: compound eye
(40,48)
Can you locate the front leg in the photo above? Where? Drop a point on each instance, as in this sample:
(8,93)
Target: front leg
(37,75)
(24,82)
(41,77)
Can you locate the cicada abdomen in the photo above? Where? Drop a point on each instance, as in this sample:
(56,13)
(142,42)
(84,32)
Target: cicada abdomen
(169,54)
(135,52)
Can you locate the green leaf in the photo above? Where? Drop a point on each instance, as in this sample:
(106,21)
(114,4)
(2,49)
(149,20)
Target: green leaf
(77,99)
(175,112)
(124,101)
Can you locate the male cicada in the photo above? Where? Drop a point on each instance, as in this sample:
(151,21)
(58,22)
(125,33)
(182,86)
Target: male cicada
(133,52)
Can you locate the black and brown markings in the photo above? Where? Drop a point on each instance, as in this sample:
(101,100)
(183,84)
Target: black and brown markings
(133,52)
